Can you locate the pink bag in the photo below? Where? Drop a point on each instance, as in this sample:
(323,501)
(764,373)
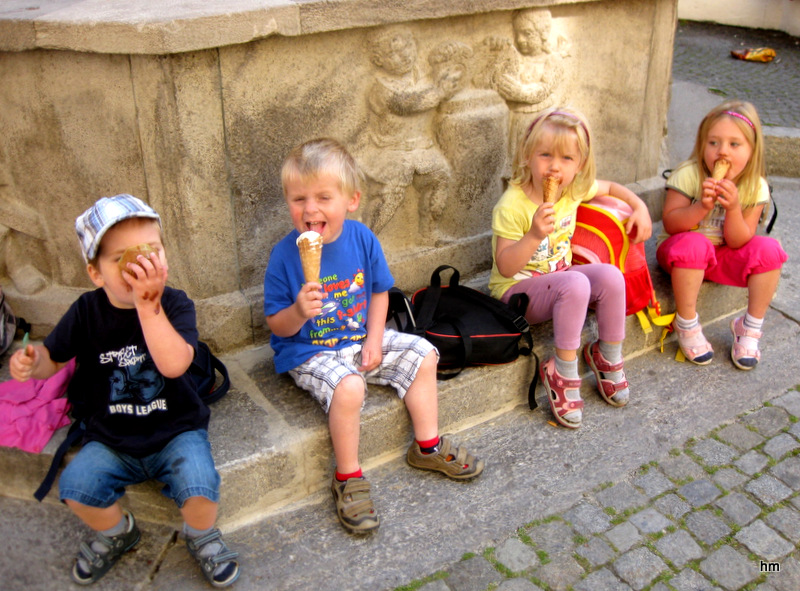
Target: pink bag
(30,412)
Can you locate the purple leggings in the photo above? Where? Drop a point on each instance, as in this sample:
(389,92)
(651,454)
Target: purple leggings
(565,296)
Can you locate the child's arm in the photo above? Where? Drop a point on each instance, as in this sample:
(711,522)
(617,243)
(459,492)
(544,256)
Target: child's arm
(511,256)
(681,214)
(372,350)
(290,320)
(739,226)
(33,362)
(640,218)
(169,350)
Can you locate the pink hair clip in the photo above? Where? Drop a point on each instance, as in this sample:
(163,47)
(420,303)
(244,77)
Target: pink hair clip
(742,117)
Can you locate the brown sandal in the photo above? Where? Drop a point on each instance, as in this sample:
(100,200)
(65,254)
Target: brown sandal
(354,506)
(450,460)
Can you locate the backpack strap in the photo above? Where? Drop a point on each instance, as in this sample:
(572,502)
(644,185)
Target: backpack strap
(75,433)
(466,346)
(220,391)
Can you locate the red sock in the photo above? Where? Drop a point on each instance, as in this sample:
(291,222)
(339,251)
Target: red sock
(345,477)
(428,446)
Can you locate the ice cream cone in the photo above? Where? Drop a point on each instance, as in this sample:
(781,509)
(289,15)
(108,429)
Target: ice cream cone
(721,168)
(550,189)
(310,246)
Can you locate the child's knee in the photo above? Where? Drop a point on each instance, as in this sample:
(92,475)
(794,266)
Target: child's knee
(349,392)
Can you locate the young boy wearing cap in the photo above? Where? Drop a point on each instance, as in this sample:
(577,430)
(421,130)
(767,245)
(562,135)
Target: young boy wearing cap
(134,339)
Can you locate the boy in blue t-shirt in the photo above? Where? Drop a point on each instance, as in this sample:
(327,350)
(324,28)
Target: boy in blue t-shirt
(134,339)
(329,334)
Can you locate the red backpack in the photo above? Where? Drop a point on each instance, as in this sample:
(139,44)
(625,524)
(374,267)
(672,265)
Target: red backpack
(600,238)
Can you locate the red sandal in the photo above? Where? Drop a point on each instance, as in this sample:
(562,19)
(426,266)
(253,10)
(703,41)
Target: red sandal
(556,386)
(600,365)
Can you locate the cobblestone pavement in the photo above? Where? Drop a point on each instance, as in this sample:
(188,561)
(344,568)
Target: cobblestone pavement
(721,514)
(703,55)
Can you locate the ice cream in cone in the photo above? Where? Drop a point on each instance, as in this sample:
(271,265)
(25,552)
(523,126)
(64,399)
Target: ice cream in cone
(550,189)
(131,255)
(310,246)
(721,168)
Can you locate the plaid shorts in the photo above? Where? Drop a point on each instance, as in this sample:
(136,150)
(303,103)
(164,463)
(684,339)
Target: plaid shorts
(402,355)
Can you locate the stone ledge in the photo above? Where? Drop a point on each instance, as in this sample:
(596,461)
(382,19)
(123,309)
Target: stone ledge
(155,27)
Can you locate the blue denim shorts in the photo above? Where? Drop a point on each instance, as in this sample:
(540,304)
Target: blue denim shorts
(98,475)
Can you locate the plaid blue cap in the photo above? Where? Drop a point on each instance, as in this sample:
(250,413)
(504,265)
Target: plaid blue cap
(93,223)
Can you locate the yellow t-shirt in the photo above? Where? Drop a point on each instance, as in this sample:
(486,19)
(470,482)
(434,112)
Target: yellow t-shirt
(688,181)
(512,217)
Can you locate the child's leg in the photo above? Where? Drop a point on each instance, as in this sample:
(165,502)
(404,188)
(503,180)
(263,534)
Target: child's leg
(761,289)
(409,365)
(89,486)
(344,422)
(422,400)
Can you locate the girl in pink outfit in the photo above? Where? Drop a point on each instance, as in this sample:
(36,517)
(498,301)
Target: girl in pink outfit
(712,231)
(531,248)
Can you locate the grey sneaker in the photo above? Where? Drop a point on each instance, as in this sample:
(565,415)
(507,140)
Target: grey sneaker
(95,558)
(217,562)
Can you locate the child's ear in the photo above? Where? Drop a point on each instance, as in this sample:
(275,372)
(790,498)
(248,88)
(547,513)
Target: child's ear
(355,200)
(94,275)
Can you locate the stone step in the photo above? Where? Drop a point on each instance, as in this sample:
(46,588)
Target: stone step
(271,443)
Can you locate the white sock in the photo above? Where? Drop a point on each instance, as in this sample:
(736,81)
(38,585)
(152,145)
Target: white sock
(684,324)
(752,323)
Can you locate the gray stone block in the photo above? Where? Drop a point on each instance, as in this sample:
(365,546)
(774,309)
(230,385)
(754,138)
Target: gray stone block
(560,574)
(780,445)
(554,537)
(690,580)
(596,551)
(601,580)
(620,497)
(649,521)
(764,541)
(768,421)
(517,556)
(639,567)
(786,520)
(472,574)
(681,467)
(740,436)
(624,536)
(768,490)
(752,462)
(728,478)
(653,483)
(738,508)
(518,584)
(588,519)
(707,527)
(788,471)
(714,453)
(729,568)
(790,402)
(679,548)
(672,505)
(700,492)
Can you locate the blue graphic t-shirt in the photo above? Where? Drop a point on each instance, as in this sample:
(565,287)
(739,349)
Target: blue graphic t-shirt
(353,268)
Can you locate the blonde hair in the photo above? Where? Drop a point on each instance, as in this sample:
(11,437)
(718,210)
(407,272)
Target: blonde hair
(565,124)
(322,156)
(745,116)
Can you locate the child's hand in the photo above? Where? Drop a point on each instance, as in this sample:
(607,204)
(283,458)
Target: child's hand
(147,282)
(371,355)
(543,222)
(23,363)
(727,194)
(641,223)
(309,299)
(709,197)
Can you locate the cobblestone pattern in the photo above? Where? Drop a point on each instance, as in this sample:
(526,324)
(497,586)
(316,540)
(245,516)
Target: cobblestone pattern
(702,55)
(721,514)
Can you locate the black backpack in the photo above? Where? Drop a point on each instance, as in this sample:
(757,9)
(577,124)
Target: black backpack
(468,327)
(204,370)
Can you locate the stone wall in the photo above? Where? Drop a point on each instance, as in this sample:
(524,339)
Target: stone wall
(194,112)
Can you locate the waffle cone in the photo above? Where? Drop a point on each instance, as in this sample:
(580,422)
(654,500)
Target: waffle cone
(310,256)
(550,189)
(721,168)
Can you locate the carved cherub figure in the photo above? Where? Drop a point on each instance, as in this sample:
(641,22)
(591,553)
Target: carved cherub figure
(402,151)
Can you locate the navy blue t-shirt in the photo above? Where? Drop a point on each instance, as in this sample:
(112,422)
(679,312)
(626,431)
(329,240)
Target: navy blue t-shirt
(125,401)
